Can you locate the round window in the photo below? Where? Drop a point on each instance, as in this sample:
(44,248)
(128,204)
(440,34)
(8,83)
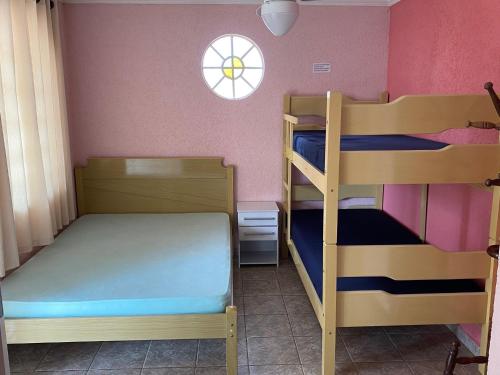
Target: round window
(233,66)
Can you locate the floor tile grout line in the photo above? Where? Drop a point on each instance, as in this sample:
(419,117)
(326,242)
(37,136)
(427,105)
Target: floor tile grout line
(293,337)
(197,354)
(146,356)
(246,340)
(95,355)
(399,351)
(43,357)
(341,337)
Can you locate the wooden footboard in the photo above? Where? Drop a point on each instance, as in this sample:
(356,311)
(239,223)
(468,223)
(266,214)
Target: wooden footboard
(162,327)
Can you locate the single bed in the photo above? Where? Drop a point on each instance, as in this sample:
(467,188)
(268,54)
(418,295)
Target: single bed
(149,258)
(359,227)
(311,144)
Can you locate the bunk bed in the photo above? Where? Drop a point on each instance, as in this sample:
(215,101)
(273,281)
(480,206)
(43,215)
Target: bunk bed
(362,267)
(124,269)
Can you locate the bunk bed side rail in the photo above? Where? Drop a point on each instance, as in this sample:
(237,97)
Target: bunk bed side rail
(417,114)
(412,262)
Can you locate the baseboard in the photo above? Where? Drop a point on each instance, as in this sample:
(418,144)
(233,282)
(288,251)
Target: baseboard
(464,338)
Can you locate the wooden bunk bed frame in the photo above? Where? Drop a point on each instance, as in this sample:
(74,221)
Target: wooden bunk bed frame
(472,164)
(132,185)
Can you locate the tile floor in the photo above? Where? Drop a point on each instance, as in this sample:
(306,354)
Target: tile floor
(278,335)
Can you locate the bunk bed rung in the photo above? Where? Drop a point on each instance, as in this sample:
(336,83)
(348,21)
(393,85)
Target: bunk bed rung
(411,262)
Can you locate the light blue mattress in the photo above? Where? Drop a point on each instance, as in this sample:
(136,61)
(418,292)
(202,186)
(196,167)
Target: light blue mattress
(127,265)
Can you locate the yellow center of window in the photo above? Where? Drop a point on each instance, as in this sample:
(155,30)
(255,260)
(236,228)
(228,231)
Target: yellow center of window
(233,68)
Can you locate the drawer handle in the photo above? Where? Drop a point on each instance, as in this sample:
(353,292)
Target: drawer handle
(258,218)
(259,233)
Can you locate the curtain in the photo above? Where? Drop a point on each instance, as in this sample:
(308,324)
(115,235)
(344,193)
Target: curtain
(36,183)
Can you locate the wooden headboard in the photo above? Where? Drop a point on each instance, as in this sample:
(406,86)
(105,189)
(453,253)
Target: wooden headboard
(154,185)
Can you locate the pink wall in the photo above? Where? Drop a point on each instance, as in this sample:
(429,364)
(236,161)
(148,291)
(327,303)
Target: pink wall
(446,46)
(135,86)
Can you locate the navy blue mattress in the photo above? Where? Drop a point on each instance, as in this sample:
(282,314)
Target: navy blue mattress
(363,227)
(311,144)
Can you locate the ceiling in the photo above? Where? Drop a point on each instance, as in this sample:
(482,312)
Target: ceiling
(303,2)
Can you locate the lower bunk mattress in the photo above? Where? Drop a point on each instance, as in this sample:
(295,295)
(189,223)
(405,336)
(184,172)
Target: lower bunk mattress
(127,265)
(363,227)
(311,144)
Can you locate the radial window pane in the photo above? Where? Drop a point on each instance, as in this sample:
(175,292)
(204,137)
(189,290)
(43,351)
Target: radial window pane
(212,76)
(233,66)
(241,89)
(253,76)
(212,58)
(241,45)
(253,59)
(225,88)
(223,46)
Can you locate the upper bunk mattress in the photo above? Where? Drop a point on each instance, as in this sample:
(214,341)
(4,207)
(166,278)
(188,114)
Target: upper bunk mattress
(127,265)
(363,227)
(311,144)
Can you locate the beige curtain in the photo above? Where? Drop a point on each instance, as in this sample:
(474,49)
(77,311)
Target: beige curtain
(36,184)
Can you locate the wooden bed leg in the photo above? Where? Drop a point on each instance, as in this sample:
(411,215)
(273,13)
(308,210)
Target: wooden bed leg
(4,355)
(329,308)
(231,341)
(491,281)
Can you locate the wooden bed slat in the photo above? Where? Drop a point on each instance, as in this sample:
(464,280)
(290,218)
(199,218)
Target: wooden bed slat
(417,114)
(461,164)
(412,262)
(162,327)
(375,308)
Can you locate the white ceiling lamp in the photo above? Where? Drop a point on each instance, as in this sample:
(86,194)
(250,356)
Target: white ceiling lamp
(279,15)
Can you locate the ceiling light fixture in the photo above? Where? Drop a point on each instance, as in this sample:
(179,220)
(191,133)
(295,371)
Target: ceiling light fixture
(279,15)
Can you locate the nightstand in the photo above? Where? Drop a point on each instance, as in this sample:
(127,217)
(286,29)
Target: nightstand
(258,233)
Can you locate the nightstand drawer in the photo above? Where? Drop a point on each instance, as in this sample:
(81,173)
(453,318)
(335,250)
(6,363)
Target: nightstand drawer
(258,233)
(255,219)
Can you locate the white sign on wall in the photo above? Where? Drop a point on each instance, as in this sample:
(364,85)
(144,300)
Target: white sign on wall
(322,68)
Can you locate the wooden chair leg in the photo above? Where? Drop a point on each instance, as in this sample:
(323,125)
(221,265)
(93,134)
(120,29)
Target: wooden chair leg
(454,360)
(451,361)
(231,341)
